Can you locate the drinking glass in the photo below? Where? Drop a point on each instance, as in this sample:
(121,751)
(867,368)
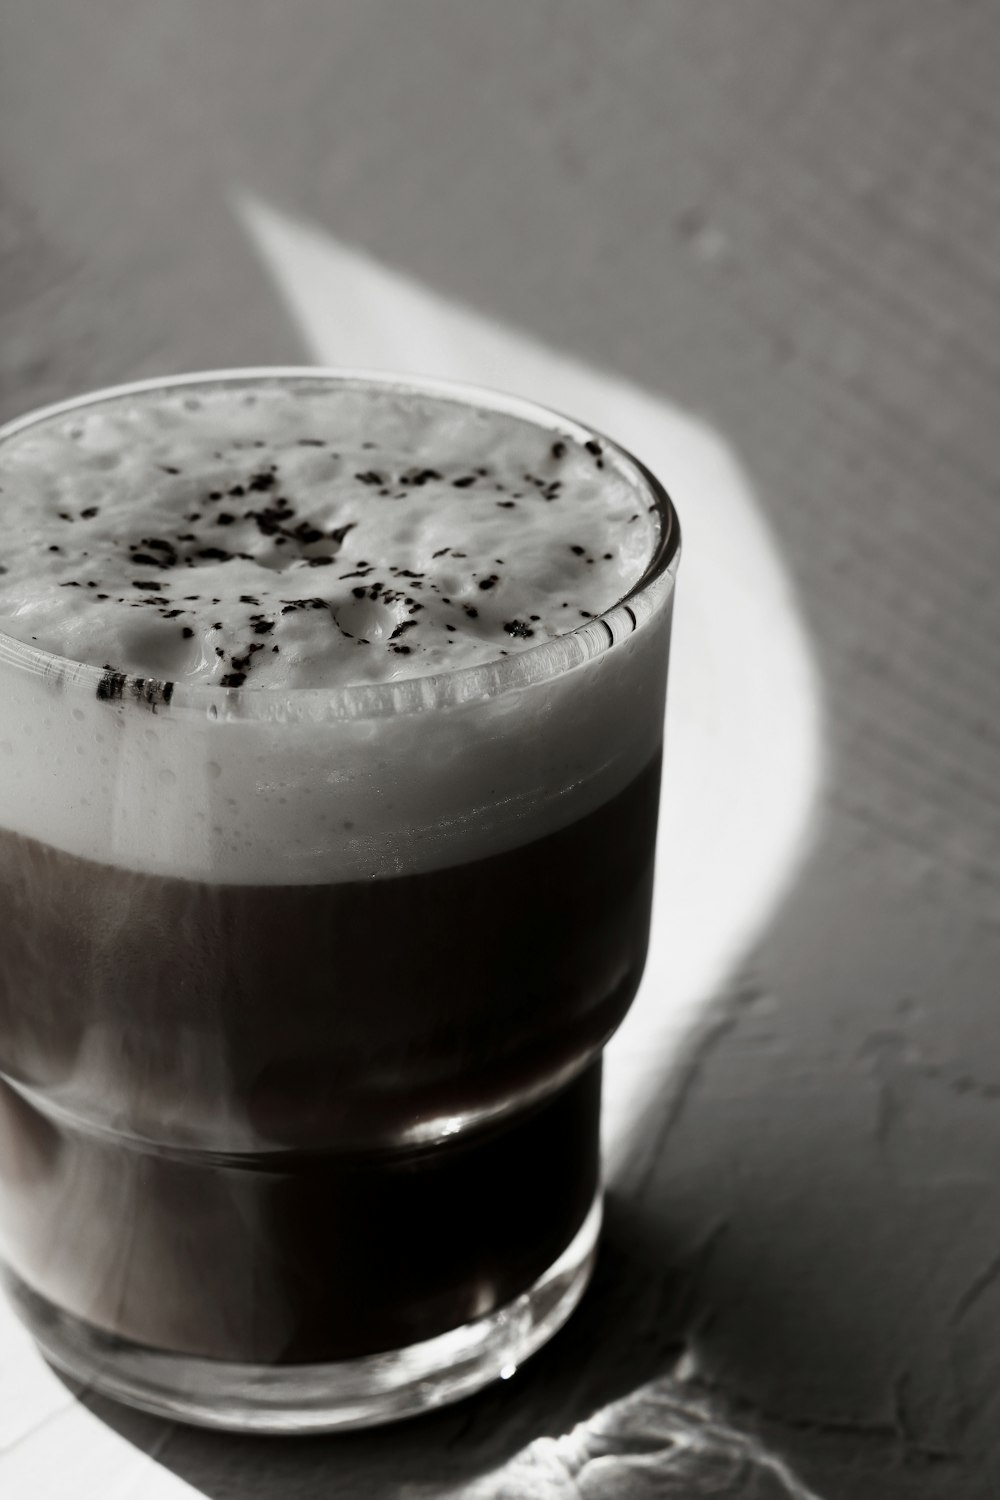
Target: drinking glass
(320,1148)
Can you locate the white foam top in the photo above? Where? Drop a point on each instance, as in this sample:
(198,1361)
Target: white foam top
(306,533)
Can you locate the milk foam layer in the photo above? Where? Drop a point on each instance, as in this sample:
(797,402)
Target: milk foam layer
(309,779)
(307,534)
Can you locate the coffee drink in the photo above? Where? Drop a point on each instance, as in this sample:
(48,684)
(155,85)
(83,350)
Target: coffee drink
(329,762)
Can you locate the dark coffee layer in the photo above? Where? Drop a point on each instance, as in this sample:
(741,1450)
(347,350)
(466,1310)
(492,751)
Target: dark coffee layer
(342,1016)
(267,1057)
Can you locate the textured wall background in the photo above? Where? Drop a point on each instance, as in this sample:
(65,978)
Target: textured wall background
(784,215)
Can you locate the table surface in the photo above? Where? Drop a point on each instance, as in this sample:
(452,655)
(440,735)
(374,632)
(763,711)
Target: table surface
(757,240)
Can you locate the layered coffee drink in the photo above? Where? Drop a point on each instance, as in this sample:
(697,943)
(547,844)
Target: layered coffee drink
(330,736)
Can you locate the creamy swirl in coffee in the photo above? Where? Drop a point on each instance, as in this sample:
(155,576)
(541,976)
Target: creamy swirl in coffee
(307,534)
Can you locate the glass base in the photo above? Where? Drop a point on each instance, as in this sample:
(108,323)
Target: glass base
(317,1397)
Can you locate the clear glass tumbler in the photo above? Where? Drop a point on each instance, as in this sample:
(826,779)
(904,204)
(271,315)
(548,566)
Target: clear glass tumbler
(320,1150)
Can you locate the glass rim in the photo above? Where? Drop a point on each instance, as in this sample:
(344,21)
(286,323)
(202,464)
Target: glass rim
(458,685)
